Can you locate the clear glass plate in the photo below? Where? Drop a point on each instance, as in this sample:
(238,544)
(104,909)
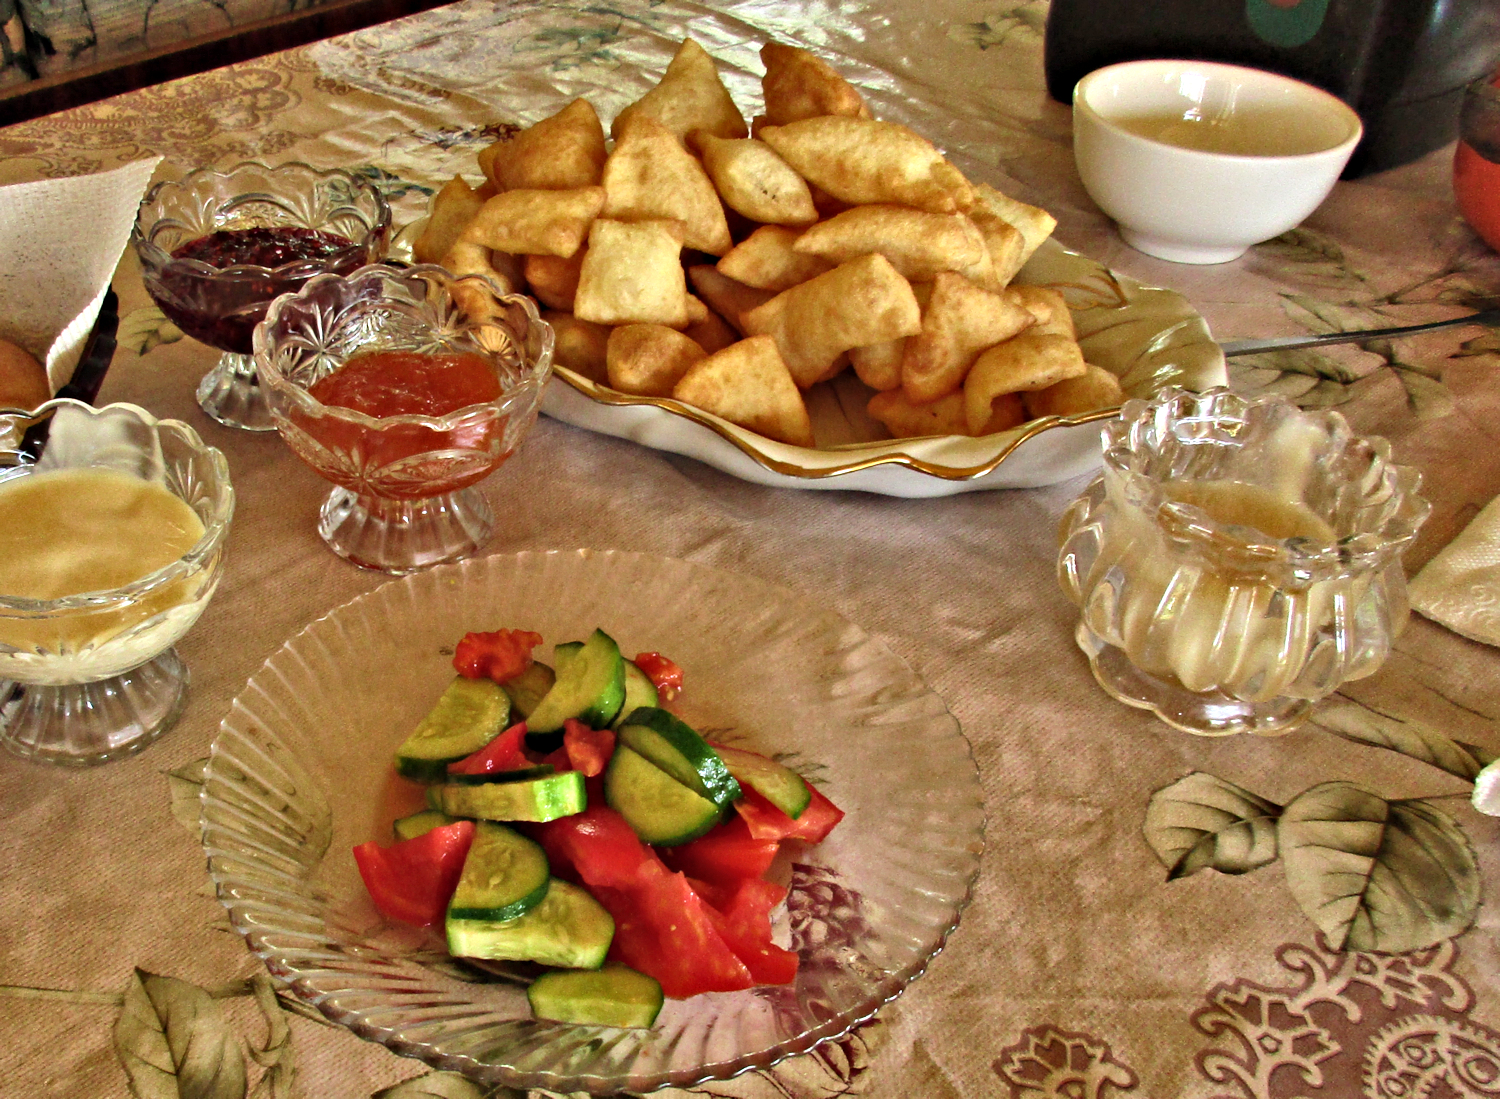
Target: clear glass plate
(299,771)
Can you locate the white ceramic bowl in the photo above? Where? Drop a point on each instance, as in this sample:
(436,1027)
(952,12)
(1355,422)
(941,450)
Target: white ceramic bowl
(1197,161)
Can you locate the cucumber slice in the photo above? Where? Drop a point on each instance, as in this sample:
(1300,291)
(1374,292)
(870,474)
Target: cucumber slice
(672,745)
(614,995)
(562,655)
(419,823)
(639,691)
(590,687)
(520,774)
(537,799)
(781,786)
(569,928)
(660,809)
(529,688)
(468,715)
(505,876)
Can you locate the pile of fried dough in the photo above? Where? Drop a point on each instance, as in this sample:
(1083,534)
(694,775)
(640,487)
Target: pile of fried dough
(732,272)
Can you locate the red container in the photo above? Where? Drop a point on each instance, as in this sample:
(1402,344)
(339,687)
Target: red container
(1476,164)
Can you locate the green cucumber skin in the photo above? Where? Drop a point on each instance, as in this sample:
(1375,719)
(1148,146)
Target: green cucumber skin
(639,692)
(537,800)
(468,715)
(674,746)
(529,688)
(505,875)
(590,688)
(521,774)
(660,809)
(613,995)
(781,786)
(568,928)
(420,823)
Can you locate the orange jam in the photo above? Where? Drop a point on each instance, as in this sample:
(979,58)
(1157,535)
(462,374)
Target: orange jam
(409,383)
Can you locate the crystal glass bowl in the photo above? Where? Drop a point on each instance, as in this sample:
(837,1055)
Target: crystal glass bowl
(91,676)
(406,493)
(220,304)
(298,771)
(1237,559)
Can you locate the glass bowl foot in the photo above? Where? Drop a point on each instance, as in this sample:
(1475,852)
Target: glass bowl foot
(81,724)
(231,393)
(1203,713)
(402,536)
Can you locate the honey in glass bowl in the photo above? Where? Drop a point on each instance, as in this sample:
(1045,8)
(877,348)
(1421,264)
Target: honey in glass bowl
(1237,559)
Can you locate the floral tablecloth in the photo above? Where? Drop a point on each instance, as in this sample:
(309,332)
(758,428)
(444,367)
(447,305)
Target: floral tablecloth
(1139,925)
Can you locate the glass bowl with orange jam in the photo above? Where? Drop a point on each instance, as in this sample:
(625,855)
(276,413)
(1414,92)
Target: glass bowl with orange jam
(111,545)
(216,247)
(406,387)
(1237,559)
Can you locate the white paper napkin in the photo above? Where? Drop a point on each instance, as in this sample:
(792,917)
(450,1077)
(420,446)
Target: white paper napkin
(1460,587)
(60,241)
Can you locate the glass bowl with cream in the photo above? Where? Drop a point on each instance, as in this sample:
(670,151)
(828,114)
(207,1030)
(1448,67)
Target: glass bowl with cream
(1196,160)
(111,545)
(1237,559)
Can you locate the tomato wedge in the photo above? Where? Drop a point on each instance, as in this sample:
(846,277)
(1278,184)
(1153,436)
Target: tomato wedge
(504,753)
(726,853)
(588,749)
(766,822)
(665,675)
(501,655)
(413,880)
(743,920)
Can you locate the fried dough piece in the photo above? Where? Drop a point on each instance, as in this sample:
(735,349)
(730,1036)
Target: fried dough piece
(861,160)
(649,359)
(1004,244)
(452,208)
(560,153)
(632,274)
(1032,222)
(878,365)
(906,419)
(799,84)
(690,96)
(581,346)
(467,258)
(918,244)
(1050,309)
(728,297)
(651,175)
(553,279)
(858,303)
(753,181)
(748,384)
(768,260)
(536,223)
(960,321)
(1095,388)
(1027,362)
(712,333)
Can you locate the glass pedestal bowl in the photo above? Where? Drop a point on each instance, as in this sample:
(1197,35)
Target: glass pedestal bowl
(217,247)
(1237,559)
(91,676)
(406,494)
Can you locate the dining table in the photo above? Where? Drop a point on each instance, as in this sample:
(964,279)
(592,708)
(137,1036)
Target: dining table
(1098,954)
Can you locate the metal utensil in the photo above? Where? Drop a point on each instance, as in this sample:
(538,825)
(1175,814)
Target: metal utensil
(1288,343)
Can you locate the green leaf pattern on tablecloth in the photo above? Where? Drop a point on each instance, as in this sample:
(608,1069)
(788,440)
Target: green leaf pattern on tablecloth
(174,1042)
(142,329)
(1202,822)
(1029,17)
(1365,725)
(1377,875)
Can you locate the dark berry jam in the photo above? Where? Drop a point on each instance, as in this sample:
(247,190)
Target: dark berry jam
(222,311)
(263,247)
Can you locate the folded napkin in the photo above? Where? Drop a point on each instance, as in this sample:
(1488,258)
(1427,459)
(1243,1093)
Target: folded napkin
(1460,587)
(60,241)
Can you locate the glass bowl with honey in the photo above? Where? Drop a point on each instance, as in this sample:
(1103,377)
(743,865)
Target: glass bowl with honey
(1237,559)
(406,387)
(111,545)
(216,247)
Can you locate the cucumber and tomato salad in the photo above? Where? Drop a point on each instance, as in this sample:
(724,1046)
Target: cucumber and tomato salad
(574,822)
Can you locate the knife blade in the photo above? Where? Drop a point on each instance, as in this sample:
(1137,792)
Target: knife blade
(1231,348)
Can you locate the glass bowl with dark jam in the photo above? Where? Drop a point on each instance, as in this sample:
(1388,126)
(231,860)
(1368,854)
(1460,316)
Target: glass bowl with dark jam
(216,247)
(406,387)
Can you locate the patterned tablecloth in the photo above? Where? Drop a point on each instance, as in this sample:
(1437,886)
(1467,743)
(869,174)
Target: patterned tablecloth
(1082,967)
